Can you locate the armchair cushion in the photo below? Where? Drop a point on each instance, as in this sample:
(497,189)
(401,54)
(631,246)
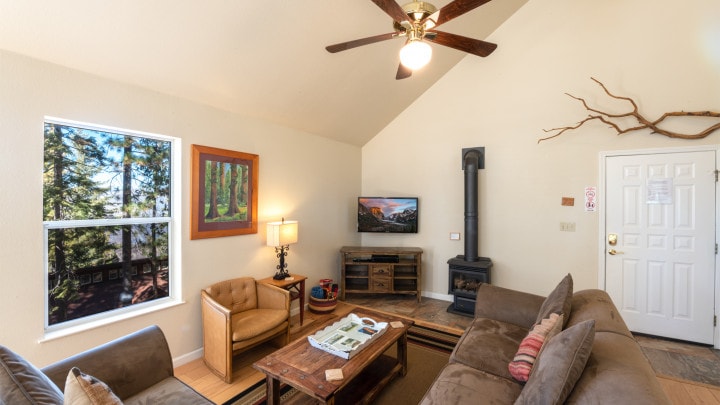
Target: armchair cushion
(251,323)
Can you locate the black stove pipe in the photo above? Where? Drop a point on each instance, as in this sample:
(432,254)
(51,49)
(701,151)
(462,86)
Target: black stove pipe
(473,160)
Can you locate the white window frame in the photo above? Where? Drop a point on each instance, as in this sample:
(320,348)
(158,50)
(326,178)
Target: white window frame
(174,297)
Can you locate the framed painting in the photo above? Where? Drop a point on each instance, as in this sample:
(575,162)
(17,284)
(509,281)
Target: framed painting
(224,193)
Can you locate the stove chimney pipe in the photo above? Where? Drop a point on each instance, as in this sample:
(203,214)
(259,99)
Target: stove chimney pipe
(473,160)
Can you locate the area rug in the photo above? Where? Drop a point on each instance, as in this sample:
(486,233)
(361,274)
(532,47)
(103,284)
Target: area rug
(428,351)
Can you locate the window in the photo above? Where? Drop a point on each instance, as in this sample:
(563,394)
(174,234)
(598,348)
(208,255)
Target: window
(109,202)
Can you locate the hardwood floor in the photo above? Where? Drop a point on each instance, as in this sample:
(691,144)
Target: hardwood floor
(674,362)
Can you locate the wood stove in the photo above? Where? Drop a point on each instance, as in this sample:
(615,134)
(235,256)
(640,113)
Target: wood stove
(464,280)
(468,271)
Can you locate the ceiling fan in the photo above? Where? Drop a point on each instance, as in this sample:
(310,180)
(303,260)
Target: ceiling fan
(417,21)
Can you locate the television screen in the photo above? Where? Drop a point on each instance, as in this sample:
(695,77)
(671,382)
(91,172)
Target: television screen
(388,214)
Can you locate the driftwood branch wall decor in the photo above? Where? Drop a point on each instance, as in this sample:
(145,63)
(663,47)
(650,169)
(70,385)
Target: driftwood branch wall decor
(643,122)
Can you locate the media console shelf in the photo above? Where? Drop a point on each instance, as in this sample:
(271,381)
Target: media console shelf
(380,270)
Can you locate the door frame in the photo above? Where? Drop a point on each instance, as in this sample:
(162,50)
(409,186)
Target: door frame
(602,188)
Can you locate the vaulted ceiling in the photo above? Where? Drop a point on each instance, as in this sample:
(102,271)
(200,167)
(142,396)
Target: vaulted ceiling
(264,58)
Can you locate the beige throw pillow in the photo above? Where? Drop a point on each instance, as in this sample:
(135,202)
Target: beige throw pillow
(83,389)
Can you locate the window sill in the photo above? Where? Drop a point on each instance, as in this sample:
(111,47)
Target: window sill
(58,332)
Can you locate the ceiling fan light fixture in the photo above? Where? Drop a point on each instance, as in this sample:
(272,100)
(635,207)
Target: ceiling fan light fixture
(415,54)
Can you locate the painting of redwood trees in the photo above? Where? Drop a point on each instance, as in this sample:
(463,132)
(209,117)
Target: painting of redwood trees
(224,192)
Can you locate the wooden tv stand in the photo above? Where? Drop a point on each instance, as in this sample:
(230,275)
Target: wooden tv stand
(380,270)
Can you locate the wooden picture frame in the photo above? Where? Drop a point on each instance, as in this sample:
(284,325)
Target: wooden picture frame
(222,179)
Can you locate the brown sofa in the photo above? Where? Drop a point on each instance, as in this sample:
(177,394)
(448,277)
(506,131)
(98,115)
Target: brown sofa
(137,368)
(593,360)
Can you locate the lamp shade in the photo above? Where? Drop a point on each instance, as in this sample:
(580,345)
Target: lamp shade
(282,233)
(415,54)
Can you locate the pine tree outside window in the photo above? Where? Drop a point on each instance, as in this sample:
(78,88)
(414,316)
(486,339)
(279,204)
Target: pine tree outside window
(109,200)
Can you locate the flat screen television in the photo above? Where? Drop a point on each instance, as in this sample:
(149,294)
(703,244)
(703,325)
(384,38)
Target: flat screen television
(388,214)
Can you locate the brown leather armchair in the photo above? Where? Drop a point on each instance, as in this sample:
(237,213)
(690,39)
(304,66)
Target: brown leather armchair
(239,314)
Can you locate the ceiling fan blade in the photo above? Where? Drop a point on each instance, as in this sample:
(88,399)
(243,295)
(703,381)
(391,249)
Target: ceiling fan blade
(403,72)
(457,8)
(391,8)
(465,44)
(343,46)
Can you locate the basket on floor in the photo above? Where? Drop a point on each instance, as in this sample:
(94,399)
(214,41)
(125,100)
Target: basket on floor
(322,306)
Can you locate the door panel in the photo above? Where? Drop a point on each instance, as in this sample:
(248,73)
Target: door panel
(661,270)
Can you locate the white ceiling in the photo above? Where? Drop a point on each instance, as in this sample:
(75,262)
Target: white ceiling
(261,58)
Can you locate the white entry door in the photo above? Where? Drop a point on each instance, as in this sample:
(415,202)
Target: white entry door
(660,245)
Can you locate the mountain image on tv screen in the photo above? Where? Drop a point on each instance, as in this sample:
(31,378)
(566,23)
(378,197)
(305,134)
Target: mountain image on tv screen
(390,215)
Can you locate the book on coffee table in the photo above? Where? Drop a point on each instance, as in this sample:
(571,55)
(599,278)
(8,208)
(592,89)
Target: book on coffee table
(348,336)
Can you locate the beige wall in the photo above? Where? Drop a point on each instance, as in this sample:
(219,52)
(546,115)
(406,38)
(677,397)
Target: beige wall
(302,177)
(663,54)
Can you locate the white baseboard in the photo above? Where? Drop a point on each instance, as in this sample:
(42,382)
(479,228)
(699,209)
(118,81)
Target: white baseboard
(187,358)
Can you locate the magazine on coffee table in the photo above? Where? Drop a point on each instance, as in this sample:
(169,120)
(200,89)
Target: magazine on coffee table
(348,336)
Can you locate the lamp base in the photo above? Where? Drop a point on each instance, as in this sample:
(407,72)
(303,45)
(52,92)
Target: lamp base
(280,275)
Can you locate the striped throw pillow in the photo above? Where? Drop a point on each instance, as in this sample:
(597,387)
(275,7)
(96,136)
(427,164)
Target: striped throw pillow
(521,365)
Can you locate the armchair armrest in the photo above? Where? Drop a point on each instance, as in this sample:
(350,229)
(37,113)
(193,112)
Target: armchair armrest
(511,306)
(272,297)
(128,365)
(217,335)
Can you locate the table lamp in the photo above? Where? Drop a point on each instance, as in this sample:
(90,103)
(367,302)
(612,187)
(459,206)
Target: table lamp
(280,235)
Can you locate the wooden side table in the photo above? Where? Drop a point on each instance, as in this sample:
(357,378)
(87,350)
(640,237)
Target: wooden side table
(296,286)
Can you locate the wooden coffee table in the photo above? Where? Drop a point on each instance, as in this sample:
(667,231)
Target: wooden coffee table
(302,366)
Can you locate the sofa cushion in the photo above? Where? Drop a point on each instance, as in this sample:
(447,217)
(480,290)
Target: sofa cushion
(559,366)
(83,389)
(460,384)
(169,391)
(521,365)
(22,383)
(559,301)
(489,345)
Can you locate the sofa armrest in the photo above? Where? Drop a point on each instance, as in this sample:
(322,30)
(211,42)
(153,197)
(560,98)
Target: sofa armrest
(510,306)
(272,297)
(128,365)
